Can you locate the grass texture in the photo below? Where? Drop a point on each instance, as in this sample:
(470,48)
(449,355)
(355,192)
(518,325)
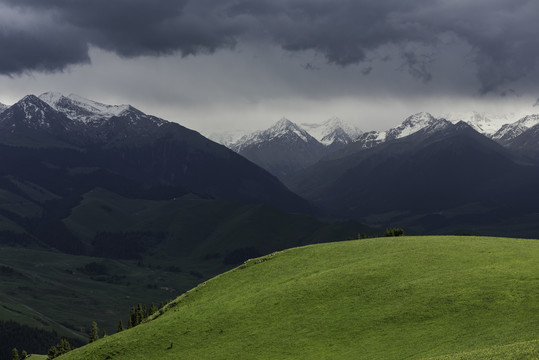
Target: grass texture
(436,297)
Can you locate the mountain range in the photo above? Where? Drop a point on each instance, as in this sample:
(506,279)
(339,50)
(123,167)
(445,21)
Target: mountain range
(287,147)
(471,173)
(68,145)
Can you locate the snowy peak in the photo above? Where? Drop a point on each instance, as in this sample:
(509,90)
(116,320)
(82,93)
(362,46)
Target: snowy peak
(411,125)
(283,130)
(424,122)
(51,97)
(55,118)
(80,109)
(484,123)
(510,131)
(32,112)
(333,131)
(285,127)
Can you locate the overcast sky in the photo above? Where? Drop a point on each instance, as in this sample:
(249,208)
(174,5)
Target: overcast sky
(214,65)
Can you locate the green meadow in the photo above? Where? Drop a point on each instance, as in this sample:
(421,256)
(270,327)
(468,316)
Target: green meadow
(432,297)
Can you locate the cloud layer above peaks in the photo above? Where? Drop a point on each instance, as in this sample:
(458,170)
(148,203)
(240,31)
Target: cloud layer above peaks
(500,35)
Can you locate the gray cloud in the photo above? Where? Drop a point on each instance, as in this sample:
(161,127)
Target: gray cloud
(501,33)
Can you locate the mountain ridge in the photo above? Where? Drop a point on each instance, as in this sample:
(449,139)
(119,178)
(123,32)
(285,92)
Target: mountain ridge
(508,132)
(430,182)
(136,146)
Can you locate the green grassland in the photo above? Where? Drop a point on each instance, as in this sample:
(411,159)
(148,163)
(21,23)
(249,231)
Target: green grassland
(391,298)
(518,351)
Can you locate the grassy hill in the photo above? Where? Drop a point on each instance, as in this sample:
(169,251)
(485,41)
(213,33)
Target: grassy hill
(390,298)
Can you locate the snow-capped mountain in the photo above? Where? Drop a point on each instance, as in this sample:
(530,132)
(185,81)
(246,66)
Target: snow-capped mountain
(414,123)
(72,120)
(283,130)
(3,107)
(484,123)
(421,121)
(227,138)
(282,149)
(80,109)
(32,113)
(510,131)
(333,132)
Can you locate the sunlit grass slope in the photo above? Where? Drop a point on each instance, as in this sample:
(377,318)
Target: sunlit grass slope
(390,298)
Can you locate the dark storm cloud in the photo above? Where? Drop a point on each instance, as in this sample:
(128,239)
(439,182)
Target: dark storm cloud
(501,33)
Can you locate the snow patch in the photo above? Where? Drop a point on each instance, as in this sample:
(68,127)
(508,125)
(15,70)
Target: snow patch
(333,130)
(484,123)
(81,109)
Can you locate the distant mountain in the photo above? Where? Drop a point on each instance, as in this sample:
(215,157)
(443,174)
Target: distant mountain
(282,149)
(420,121)
(412,124)
(286,147)
(333,133)
(508,132)
(3,107)
(227,138)
(484,123)
(454,178)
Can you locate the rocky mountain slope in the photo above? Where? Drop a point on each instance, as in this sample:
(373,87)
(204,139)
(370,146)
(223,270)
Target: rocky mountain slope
(510,131)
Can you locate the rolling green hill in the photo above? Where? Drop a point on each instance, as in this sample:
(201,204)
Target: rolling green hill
(390,298)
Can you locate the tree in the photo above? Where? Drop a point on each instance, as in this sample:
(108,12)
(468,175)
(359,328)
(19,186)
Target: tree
(120,326)
(153,309)
(53,352)
(59,349)
(63,346)
(14,354)
(132,318)
(139,314)
(94,333)
(24,355)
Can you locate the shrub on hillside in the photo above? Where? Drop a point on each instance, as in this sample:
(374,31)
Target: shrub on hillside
(394,232)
